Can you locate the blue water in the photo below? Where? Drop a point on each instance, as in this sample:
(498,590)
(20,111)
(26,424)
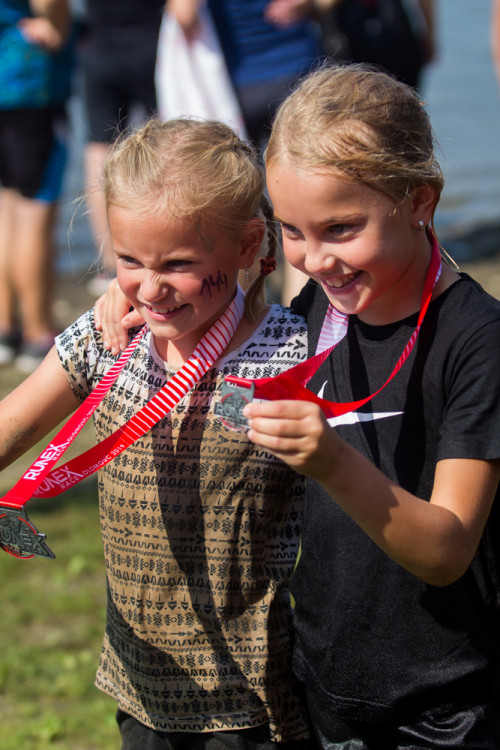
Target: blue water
(463,98)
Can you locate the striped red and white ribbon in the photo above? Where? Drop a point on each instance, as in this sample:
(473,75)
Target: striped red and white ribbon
(41,480)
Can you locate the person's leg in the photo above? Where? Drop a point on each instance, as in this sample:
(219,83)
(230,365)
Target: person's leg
(26,277)
(32,267)
(118,86)
(34,157)
(25,147)
(8,335)
(107,114)
(95,155)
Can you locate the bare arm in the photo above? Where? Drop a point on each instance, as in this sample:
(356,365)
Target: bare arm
(57,11)
(50,26)
(287,12)
(434,540)
(34,408)
(187,14)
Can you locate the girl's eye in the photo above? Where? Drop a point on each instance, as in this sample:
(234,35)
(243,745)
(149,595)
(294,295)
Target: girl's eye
(289,231)
(127,260)
(338,229)
(178,263)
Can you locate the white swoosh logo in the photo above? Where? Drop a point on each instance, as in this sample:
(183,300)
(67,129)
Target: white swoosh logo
(357,416)
(361,416)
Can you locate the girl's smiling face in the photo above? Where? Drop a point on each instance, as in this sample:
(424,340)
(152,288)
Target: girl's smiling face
(180,282)
(353,240)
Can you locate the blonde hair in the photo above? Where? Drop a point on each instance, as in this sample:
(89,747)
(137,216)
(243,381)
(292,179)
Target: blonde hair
(362,123)
(195,170)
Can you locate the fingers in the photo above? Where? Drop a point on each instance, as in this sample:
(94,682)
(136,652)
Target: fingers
(294,431)
(277,410)
(42,32)
(112,317)
(132,320)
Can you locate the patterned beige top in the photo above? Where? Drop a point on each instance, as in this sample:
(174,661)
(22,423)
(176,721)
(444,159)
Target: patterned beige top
(201,532)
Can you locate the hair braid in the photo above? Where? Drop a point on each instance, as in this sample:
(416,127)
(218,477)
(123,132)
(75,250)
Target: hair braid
(255,295)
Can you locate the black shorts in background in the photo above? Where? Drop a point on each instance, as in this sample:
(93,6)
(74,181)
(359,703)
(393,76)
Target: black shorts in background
(33,151)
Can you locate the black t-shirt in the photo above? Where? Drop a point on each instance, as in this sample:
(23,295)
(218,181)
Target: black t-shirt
(374,641)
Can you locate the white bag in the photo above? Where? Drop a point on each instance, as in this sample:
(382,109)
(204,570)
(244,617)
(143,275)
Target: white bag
(192,78)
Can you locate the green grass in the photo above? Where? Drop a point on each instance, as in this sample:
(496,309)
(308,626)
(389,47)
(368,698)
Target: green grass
(51,625)
(52,612)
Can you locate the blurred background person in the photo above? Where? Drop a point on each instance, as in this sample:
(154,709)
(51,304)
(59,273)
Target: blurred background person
(268,45)
(35,83)
(397,35)
(118,60)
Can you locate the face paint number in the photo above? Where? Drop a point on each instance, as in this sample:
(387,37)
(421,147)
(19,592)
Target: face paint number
(218,284)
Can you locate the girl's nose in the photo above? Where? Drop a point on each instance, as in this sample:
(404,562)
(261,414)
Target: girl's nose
(153,286)
(318,259)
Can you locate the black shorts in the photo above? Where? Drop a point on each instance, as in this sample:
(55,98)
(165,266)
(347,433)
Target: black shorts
(116,80)
(471,728)
(33,150)
(136,735)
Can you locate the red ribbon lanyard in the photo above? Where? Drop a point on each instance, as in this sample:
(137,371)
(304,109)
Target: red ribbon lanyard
(16,531)
(291,384)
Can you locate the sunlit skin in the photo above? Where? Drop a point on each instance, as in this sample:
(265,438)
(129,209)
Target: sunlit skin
(178,282)
(362,248)
(371,260)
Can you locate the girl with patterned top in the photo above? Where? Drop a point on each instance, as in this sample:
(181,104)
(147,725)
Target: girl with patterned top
(200,527)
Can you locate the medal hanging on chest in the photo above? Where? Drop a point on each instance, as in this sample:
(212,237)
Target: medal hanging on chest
(18,536)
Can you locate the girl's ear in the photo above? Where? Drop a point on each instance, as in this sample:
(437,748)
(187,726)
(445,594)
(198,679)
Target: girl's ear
(424,201)
(251,241)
